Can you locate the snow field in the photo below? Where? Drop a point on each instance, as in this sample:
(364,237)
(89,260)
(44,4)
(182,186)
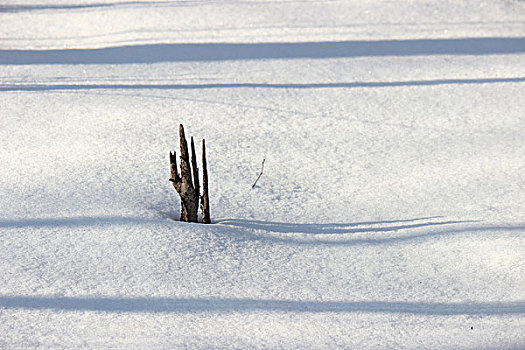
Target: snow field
(389,214)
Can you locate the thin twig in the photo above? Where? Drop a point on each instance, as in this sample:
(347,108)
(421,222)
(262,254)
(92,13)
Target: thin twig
(260,174)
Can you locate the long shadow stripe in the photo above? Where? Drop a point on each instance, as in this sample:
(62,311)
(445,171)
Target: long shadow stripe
(225,305)
(257,51)
(378,84)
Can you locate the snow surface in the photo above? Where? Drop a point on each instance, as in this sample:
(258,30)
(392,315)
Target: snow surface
(390,213)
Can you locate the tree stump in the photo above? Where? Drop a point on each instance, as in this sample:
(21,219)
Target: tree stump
(186,185)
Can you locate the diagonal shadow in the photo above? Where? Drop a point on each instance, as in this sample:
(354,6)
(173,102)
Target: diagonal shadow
(371,84)
(153,53)
(337,228)
(229,305)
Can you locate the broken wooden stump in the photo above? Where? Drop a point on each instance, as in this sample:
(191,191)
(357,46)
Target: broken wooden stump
(187,184)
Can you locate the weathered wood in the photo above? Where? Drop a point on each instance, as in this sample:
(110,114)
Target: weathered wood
(195,171)
(188,186)
(185,168)
(183,184)
(206,218)
(175,179)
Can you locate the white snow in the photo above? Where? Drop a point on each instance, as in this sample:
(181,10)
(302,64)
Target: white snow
(390,213)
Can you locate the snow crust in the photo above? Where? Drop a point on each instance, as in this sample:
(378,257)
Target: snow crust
(390,213)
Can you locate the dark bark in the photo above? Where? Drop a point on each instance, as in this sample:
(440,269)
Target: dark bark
(175,179)
(188,186)
(183,184)
(206,218)
(195,170)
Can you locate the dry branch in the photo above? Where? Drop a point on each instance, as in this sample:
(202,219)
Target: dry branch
(260,174)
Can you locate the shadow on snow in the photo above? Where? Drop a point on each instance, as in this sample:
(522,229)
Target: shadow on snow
(254,51)
(338,228)
(37,7)
(287,233)
(229,305)
(369,84)
(317,234)
(77,221)
(281,227)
